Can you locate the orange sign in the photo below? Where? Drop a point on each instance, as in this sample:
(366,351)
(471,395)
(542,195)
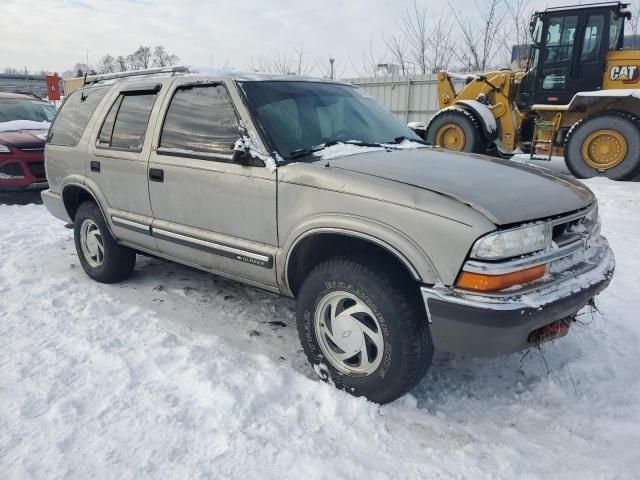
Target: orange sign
(53,87)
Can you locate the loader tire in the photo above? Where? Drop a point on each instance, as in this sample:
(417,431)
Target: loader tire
(604,144)
(456,129)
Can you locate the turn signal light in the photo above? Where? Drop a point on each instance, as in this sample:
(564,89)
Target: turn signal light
(491,283)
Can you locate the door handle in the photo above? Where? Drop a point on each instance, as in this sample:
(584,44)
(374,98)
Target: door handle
(95,166)
(156,175)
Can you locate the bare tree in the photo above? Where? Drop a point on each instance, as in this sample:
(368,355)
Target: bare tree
(398,48)
(517,31)
(140,59)
(121,63)
(162,59)
(107,64)
(371,62)
(414,23)
(279,62)
(441,45)
(479,35)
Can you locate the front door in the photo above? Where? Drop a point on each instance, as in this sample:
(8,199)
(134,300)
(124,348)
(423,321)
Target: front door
(593,52)
(208,210)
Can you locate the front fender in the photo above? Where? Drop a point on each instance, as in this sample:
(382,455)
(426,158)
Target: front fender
(483,114)
(386,236)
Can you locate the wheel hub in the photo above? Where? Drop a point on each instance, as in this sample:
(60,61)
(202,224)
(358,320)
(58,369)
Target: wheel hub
(604,149)
(451,137)
(349,333)
(91,243)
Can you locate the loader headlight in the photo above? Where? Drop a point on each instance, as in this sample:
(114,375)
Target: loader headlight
(513,243)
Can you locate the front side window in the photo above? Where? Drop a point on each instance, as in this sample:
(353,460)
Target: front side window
(125,125)
(592,37)
(299,115)
(74,115)
(200,119)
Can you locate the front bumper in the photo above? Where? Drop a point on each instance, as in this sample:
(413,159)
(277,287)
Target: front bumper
(22,172)
(490,325)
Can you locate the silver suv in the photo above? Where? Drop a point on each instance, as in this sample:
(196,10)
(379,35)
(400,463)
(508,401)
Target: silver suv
(310,189)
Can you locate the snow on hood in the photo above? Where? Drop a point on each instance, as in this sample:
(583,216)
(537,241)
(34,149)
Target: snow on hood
(15,125)
(346,149)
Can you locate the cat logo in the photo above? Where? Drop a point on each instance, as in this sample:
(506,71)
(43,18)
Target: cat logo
(625,73)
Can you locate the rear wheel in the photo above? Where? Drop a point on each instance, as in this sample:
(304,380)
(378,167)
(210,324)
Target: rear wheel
(102,258)
(607,144)
(458,130)
(364,328)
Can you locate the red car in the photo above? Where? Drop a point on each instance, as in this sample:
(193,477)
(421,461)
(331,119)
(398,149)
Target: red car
(24,123)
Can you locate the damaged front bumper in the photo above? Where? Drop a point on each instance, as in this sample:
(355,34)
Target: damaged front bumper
(494,324)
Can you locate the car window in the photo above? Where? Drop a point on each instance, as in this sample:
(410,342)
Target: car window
(200,119)
(19,109)
(125,125)
(74,115)
(592,37)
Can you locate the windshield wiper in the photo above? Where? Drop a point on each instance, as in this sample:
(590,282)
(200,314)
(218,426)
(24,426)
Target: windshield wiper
(402,138)
(304,152)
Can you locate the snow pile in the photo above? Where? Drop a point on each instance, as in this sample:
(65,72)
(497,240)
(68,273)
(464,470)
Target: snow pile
(176,373)
(15,125)
(346,149)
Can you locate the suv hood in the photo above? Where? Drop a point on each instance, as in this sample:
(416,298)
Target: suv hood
(23,137)
(505,191)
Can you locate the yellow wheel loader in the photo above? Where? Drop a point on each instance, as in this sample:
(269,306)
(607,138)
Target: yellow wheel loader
(578,98)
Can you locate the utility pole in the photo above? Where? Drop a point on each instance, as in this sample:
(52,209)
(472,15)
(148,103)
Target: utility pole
(331,60)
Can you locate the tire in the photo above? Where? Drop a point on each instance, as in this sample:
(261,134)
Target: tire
(382,304)
(474,140)
(625,125)
(101,257)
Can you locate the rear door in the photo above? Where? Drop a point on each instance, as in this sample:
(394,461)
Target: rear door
(208,210)
(118,159)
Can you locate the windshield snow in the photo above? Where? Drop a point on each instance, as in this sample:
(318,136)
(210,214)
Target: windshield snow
(298,117)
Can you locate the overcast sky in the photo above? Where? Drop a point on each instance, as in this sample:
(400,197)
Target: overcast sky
(55,34)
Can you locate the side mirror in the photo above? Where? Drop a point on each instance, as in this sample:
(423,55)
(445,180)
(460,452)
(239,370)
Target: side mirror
(241,153)
(419,129)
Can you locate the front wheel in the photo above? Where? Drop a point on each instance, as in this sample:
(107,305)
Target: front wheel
(458,130)
(364,329)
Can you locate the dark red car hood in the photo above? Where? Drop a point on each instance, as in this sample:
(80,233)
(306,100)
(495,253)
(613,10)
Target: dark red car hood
(23,137)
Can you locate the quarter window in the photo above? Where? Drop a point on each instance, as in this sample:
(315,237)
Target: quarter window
(126,123)
(200,119)
(74,115)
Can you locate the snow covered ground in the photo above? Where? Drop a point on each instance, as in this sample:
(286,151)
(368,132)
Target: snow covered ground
(179,374)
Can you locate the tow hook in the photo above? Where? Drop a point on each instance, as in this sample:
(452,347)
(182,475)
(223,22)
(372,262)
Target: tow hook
(554,330)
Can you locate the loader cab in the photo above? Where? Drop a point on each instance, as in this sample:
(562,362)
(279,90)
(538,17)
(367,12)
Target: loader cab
(569,50)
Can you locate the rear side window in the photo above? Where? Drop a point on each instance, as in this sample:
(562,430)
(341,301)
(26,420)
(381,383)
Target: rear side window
(125,125)
(74,115)
(200,119)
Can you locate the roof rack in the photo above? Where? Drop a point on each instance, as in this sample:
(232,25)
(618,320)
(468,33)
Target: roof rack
(135,73)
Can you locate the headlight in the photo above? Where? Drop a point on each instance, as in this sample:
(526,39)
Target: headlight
(513,243)
(4,149)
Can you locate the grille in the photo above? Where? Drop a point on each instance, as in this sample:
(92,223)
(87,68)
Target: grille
(32,147)
(572,230)
(37,169)
(11,170)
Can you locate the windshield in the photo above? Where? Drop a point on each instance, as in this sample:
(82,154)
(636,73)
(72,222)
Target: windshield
(19,109)
(297,116)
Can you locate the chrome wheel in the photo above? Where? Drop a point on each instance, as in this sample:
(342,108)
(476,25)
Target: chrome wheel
(349,334)
(92,243)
